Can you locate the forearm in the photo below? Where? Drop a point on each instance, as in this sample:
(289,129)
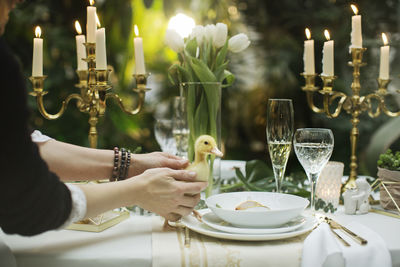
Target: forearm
(108,196)
(75,163)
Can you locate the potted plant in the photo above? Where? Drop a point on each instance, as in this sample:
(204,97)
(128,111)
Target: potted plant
(389,176)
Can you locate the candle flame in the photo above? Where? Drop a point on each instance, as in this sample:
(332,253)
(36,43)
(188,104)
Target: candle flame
(136,30)
(78,27)
(308,33)
(355,9)
(91,2)
(327,35)
(98,21)
(38,32)
(384,39)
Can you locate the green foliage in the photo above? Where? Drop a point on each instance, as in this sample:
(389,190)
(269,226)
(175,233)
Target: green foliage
(260,177)
(390,160)
(320,204)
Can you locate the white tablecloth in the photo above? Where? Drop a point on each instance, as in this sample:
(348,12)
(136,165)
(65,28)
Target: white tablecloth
(129,244)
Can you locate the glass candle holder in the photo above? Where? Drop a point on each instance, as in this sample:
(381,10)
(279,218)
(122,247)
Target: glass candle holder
(329,185)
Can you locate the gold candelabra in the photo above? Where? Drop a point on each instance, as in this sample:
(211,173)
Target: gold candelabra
(94,92)
(353,104)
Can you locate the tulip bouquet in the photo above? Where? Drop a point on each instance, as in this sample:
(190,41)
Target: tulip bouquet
(202,69)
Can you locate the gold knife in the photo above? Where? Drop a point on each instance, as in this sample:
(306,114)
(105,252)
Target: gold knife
(337,225)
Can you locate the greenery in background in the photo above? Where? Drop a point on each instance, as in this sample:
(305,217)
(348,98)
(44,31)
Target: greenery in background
(269,68)
(389,160)
(320,204)
(259,176)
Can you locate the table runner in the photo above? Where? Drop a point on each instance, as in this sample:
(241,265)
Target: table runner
(169,250)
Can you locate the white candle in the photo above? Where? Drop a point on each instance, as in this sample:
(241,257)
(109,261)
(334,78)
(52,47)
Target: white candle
(308,56)
(91,23)
(327,58)
(37,61)
(101,56)
(356,34)
(384,66)
(80,48)
(139,56)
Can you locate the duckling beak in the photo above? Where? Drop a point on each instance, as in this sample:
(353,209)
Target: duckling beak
(216,152)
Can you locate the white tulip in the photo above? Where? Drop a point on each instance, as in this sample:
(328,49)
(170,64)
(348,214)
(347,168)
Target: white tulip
(210,32)
(238,43)
(198,32)
(220,35)
(174,40)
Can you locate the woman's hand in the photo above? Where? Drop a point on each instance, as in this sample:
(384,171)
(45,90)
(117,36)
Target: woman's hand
(167,192)
(143,162)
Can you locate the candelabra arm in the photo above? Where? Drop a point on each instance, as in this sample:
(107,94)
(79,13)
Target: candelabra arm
(310,102)
(329,98)
(45,114)
(368,101)
(134,111)
(388,112)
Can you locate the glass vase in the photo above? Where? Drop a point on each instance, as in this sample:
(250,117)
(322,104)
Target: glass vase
(203,107)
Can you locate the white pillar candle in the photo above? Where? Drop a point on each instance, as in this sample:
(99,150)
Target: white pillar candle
(101,56)
(384,66)
(356,34)
(139,56)
(91,23)
(308,56)
(80,48)
(37,61)
(328,59)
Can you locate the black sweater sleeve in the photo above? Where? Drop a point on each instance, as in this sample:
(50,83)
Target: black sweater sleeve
(32,199)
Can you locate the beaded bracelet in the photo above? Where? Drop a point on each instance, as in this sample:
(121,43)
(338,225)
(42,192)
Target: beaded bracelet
(128,163)
(122,165)
(115,170)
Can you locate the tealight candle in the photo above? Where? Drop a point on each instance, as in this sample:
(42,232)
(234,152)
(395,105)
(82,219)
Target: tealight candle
(356,34)
(308,56)
(327,59)
(384,66)
(37,61)
(139,56)
(80,48)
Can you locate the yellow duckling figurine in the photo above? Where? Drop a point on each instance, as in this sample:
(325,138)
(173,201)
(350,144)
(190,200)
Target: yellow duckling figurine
(204,145)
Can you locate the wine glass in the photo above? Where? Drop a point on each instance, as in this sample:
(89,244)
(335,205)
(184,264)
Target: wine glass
(279,136)
(164,136)
(180,128)
(313,147)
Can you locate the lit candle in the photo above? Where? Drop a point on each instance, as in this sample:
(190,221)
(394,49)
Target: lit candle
(101,56)
(356,35)
(80,48)
(384,66)
(308,56)
(37,61)
(139,56)
(327,59)
(91,23)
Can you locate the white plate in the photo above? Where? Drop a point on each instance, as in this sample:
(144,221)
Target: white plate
(215,222)
(194,225)
(283,208)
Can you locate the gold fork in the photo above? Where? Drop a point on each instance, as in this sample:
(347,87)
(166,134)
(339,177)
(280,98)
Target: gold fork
(336,225)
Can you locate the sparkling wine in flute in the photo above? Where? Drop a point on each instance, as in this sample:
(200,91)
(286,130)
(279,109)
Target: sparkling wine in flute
(279,153)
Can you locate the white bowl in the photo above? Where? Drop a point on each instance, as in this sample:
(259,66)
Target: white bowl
(283,208)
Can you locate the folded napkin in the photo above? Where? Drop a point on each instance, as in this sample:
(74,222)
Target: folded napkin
(6,256)
(322,248)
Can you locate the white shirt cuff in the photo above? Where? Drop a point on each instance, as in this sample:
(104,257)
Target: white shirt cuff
(79,205)
(38,137)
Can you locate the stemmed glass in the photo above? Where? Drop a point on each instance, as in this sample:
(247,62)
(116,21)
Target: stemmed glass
(180,128)
(313,147)
(164,136)
(279,136)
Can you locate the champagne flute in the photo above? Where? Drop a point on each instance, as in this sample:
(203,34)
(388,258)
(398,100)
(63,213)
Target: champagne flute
(164,135)
(279,136)
(180,128)
(313,147)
